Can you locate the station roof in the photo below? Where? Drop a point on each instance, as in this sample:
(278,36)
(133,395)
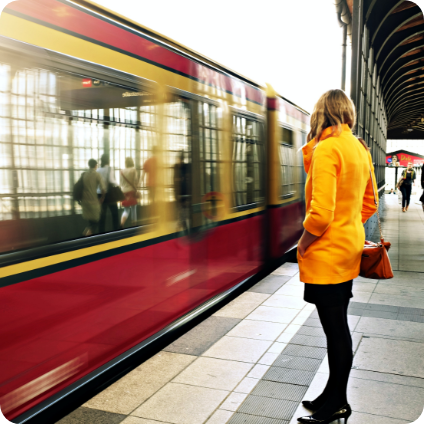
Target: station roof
(396,34)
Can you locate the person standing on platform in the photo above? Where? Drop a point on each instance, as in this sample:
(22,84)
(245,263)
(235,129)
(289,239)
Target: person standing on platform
(422,186)
(408,178)
(107,173)
(339,199)
(91,202)
(148,177)
(129,183)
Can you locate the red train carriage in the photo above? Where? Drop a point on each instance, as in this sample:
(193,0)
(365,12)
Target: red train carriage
(213,161)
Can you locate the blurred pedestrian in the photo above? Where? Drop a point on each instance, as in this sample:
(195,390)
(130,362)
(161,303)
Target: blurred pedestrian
(422,186)
(182,178)
(408,178)
(93,183)
(339,199)
(107,173)
(129,183)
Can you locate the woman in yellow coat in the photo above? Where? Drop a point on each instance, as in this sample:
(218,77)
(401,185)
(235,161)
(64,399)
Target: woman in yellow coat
(339,199)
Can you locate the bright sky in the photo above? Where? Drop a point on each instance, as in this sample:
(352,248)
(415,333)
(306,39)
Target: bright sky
(295,45)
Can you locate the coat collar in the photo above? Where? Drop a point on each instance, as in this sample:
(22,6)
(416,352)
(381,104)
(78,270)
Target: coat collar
(308,149)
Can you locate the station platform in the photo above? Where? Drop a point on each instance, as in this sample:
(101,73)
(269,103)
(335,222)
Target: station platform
(254,360)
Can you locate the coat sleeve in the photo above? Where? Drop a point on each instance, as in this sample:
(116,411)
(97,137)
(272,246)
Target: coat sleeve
(325,168)
(369,208)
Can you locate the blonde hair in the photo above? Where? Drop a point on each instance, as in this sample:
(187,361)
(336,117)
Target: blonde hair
(333,109)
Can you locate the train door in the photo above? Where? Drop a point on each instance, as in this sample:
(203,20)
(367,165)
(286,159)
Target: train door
(191,139)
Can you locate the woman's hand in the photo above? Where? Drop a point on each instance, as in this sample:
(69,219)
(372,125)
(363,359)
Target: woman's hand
(305,241)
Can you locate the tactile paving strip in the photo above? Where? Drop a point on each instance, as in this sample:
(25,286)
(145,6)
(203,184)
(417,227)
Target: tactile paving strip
(306,351)
(276,390)
(411,317)
(312,322)
(300,339)
(268,407)
(287,375)
(238,418)
(297,363)
(311,331)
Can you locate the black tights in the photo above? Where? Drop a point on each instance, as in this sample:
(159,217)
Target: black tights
(406,194)
(340,357)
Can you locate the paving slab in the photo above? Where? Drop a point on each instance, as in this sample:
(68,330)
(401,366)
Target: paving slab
(270,284)
(214,373)
(391,328)
(253,329)
(203,336)
(220,417)
(181,404)
(386,399)
(282,301)
(233,401)
(390,356)
(387,378)
(138,385)
(137,420)
(271,314)
(238,349)
(85,415)
(242,305)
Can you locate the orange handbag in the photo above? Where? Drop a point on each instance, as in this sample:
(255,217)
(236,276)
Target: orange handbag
(375,262)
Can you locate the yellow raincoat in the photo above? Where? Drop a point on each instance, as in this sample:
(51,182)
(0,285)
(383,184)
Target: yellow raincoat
(339,199)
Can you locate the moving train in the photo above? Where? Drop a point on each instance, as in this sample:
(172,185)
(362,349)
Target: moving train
(76,82)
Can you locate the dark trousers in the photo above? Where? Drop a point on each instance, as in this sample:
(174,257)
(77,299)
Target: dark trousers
(113,207)
(339,346)
(406,194)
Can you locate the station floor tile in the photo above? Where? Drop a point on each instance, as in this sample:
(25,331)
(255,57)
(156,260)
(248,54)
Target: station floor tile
(282,301)
(390,299)
(220,417)
(233,401)
(272,314)
(391,328)
(361,418)
(387,378)
(364,287)
(243,305)
(214,373)
(388,399)
(138,385)
(137,420)
(91,416)
(181,404)
(390,356)
(246,385)
(203,336)
(253,329)
(238,349)
(270,284)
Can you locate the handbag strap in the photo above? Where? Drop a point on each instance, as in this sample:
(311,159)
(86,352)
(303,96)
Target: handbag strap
(128,181)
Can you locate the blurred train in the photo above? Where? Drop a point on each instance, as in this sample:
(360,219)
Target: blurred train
(78,81)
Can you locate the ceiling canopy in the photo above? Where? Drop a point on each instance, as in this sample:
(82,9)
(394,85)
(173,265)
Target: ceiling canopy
(396,37)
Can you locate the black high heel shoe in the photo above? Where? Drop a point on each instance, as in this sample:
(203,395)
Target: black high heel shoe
(312,405)
(344,412)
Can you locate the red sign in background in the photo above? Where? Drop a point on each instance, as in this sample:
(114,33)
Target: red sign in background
(402,158)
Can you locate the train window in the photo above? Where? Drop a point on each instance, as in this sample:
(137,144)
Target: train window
(51,124)
(178,129)
(287,162)
(248,157)
(192,164)
(208,147)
